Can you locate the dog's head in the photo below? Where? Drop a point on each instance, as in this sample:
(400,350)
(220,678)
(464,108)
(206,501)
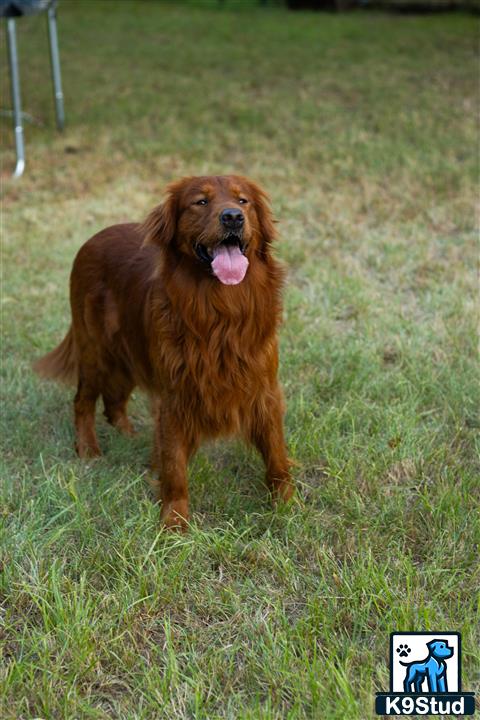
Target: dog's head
(219,222)
(440,649)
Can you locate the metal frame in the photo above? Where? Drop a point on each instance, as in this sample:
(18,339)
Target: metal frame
(55,61)
(15,83)
(15,86)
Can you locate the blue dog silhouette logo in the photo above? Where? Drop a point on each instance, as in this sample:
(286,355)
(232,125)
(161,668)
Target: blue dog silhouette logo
(425,662)
(433,669)
(425,676)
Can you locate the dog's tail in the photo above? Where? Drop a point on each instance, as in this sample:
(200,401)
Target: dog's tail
(61,363)
(404,664)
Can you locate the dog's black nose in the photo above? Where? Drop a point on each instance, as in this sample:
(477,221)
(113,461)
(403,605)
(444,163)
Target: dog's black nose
(232,218)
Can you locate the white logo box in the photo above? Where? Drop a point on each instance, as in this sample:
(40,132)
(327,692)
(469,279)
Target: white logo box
(417,643)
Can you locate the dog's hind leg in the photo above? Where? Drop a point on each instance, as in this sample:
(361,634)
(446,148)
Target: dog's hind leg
(410,678)
(84,405)
(418,684)
(407,683)
(115,393)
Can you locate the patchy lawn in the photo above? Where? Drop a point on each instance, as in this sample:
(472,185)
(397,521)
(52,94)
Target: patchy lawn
(363,129)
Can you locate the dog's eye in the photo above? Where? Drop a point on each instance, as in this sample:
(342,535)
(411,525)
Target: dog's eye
(242,201)
(203,201)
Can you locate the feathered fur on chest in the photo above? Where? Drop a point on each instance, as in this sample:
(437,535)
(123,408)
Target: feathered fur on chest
(214,352)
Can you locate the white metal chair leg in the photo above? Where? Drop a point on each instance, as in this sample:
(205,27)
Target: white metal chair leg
(55,60)
(17,110)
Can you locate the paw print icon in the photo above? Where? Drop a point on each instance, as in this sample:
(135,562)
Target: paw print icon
(403,651)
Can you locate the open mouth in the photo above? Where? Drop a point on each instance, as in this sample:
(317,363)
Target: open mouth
(227,259)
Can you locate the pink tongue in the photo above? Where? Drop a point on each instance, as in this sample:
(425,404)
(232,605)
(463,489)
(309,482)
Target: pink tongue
(229,264)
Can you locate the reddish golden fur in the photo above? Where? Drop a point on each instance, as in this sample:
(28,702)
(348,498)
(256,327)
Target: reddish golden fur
(145,311)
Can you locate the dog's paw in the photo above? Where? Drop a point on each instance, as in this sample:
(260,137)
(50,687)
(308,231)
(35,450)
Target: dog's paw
(174,515)
(403,650)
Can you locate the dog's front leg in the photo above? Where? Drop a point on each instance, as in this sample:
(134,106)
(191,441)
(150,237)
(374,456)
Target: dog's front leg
(266,433)
(442,684)
(432,683)
(173,449)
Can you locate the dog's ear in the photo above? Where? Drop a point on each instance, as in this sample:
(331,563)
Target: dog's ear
(266,228)
(160,225)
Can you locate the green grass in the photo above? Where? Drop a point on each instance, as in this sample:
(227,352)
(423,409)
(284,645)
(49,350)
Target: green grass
(362,127)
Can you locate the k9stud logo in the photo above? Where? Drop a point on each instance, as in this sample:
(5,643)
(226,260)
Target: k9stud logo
(425,676)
